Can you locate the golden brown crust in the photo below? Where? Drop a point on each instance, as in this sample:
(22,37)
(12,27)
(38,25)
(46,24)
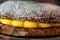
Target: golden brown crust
(30,32)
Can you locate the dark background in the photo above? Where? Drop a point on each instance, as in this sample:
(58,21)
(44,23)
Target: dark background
(44,1)
(58,2)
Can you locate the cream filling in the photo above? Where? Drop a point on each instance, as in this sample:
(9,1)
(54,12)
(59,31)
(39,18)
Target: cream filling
(27,24)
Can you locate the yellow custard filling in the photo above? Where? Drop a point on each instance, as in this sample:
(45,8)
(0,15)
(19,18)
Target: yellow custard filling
(6,21)
(18,23)
(43,25)
(26,24)
(29,24)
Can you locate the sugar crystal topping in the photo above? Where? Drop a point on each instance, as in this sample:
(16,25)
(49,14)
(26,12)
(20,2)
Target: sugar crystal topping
(30,10)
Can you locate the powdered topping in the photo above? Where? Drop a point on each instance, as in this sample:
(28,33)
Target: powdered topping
(40,12)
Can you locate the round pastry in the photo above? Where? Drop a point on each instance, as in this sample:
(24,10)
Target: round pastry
(26,18)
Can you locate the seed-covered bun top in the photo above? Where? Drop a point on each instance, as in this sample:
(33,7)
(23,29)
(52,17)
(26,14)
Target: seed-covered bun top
(33,11)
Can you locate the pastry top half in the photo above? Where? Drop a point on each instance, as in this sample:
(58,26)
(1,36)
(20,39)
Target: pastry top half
(32,11)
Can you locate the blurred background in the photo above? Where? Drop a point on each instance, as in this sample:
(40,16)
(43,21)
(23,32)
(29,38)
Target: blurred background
(45,1)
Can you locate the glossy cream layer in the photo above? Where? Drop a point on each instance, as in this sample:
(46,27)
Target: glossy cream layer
(27,24)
